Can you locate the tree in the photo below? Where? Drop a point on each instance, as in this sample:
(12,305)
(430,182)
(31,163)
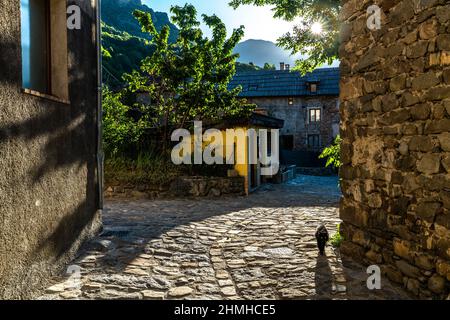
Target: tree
(244,67)
(320,47)
(189,79)
(268,66)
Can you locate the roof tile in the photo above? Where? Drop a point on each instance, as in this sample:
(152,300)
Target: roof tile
(276,83)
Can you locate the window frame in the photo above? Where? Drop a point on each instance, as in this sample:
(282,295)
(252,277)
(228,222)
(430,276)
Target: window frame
(314,136)
(49,93)
(47,45)
(315,110)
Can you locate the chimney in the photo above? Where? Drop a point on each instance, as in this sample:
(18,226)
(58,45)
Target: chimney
(287,67)
(282,66)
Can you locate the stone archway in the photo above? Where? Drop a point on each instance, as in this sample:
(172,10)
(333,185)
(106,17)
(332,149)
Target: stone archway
(395,110)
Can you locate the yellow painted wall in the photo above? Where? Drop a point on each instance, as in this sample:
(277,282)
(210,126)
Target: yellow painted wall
(243,170)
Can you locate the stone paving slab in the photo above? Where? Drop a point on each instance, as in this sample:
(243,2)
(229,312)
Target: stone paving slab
(256,247)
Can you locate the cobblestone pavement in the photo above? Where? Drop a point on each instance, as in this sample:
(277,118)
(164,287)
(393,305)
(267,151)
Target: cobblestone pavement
(257,247)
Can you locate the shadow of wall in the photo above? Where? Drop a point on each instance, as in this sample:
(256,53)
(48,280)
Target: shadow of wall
(48,169)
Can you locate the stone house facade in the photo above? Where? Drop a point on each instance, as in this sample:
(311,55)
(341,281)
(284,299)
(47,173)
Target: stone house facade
(395,109)
(309,106)
(50,159)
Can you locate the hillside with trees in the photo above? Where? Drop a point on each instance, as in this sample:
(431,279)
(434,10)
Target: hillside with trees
(119,15)
(123,40)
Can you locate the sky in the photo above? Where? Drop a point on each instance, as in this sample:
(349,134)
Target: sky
(258,21)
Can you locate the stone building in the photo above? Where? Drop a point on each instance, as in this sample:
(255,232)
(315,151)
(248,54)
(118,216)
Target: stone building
(309,106)
(50,163)
(395,110)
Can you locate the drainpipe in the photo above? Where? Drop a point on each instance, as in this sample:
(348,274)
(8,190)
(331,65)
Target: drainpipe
(99,151)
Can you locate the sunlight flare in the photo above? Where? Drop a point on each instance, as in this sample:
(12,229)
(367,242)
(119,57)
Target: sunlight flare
(317,28)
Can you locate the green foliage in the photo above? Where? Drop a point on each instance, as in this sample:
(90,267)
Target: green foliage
(244,67)
(250,67)
(147,168)
(126,150)
(189,79)
(337,239)
(320,49)
(154,168)
(121,133)
(185,80)
(268,66)
(333,153)
(123,53)
(106,54)
(118,14)
(123,41)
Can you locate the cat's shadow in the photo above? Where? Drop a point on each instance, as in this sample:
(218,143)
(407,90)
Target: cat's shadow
(323,278)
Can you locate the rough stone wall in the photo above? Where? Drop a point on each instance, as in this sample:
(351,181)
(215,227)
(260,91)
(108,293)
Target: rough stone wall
(296,115)
(395,110)
(180,187)
(48,196)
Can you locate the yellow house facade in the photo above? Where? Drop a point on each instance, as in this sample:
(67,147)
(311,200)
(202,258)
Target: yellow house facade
(243,167)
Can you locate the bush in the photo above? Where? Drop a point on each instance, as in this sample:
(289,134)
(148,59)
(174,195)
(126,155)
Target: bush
(122,135)
(333,154)
(337,239)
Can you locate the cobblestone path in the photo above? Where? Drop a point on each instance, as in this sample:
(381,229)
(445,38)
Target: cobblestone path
(256,247)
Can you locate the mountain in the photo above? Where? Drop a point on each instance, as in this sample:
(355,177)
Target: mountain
(260,51)
(126,52)
(123,39)
(119,15)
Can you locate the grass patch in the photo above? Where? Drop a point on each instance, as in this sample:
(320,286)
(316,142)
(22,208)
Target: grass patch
(155,169)
(337,239)
(146,169)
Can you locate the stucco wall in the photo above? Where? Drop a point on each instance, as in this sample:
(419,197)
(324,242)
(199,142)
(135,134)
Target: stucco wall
(48,196)
(395,109)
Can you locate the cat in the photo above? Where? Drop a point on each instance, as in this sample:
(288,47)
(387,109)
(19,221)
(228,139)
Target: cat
(322,237)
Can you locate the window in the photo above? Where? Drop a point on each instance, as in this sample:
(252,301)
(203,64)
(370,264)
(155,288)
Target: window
(44,47)
(35,45)
(313,141)
(287,142)
(314,115)
(313,87)
(290,101)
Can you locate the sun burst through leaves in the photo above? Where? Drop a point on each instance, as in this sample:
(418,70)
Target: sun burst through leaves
(317,28)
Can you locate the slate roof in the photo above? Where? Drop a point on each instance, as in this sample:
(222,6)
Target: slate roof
(276,83)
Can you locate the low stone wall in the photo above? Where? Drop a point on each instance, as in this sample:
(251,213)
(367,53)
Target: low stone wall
(315,171)
(179,188)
